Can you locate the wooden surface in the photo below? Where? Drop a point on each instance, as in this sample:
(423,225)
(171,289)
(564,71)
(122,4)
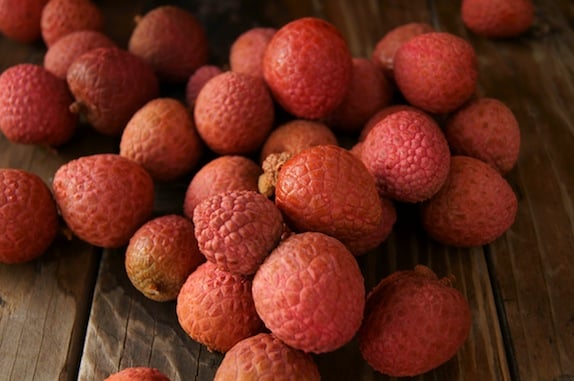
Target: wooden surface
(72,314)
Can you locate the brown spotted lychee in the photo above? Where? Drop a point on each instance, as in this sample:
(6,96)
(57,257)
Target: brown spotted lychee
(61,17)
(34,106)
(308,67)
(475,206)
(234,113)
(265,357)
(414,322)
(63,52)
(215,308)
(224,173)
(28,216)
(327,189)
(93,78)
(309,292)
(161,136)
(408,156)
(436,71)
(140,373)
(171,40)
(236,230)
(160,256)
(104,198)
(486,129)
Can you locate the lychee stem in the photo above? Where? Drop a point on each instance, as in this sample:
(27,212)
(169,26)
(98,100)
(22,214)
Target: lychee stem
(271,167)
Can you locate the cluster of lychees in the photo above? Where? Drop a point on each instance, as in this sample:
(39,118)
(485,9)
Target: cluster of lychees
(261,261)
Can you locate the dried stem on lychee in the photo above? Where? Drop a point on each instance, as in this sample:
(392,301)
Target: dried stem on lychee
(271,167)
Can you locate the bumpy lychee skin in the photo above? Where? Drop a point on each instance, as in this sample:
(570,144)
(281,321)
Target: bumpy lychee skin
(246,53)
(93,78)
(486,129)
(61,17)
(371,241)
(160,256)
(28,216)
(172,41)
(140,373)
(103,198)
(308,67)
(309,292)
(436,71)
(234,113)
(34,106)
(236,230)
(161,136)
(383,54)
(368,92)
(475,206)
(383,113)
(327,189)
(408,156)
(215,308)
(498,18)
(197,80)
(295,136)
(414,322)
(224,173)
(20,19)
(264,357)
(63,52)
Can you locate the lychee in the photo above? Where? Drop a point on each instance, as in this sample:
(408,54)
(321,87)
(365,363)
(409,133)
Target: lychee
(436,71)
(61,17)
(308,67)
(20,19)
(139,373)
(475,206)
(498,18)
(247,50)
(414,322)
(196,81)
(309,292)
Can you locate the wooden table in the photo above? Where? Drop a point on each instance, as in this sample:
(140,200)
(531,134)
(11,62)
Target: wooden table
(72,314)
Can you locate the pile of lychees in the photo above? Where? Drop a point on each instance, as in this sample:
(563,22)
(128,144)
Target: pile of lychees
(261,261)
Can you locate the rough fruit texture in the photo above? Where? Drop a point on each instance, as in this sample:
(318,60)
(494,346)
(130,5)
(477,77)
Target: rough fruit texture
(215,308)
(264,357)
(408,156)
(34,106)
(61,17)
(327,189)
(485,129)
(475,206)
(197,80)
(371,241)
(20,19)
(161,136)
(234,113)
(414,322)
(436,71)
(246,53)
(138,374)
(236,230)
(383,54)
(310,293)
(498,18)
(295,136)
(368,92)
(172,41)
(104,198)
(63,52)
(28,216)
(383,113)
(308,67)
(224,173)
(93,78)
(160,256)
